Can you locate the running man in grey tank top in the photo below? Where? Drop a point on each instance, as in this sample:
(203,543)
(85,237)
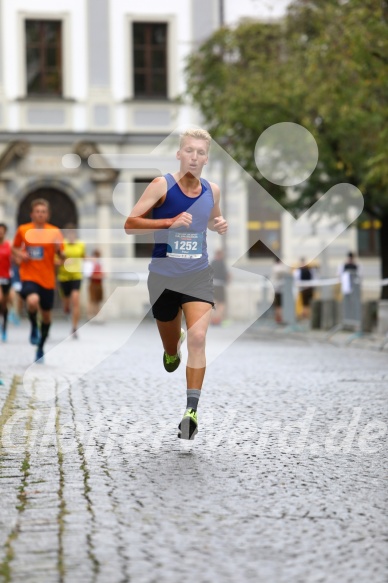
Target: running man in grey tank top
(179,208)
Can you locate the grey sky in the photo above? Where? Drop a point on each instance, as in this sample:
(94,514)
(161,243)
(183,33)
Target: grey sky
(236,9)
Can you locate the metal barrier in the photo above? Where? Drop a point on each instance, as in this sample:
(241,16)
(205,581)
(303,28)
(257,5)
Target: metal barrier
(384,342)
(351,310)
(290,291)
(288,303)
(267,315)
(351,305)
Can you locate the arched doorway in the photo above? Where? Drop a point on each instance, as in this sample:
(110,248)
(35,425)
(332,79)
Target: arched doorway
(62,208)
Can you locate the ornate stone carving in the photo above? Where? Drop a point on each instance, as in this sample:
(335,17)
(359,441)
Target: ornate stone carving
(104,174)
(17,149)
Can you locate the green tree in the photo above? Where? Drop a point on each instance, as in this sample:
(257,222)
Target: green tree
(324,66)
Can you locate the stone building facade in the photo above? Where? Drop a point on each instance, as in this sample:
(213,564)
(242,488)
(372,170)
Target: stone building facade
(106,78)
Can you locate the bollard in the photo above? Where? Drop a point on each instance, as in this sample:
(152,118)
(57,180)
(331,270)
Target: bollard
(351,311)
(266,314)
(288,301)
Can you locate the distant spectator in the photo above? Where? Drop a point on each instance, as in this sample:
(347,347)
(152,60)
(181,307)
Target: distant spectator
(344,271)
(303,275)
(96,293)
(278,274)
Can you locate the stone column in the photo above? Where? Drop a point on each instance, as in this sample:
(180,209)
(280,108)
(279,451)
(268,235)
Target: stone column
(99,47)
(104,189)
(104,204)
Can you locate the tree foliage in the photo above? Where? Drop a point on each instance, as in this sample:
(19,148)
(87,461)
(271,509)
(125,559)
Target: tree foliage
(324,66)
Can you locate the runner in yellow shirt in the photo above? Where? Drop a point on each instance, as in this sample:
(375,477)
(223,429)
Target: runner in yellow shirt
(70,276)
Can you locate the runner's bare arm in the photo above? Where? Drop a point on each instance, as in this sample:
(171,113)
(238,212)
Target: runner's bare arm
(153,196)
(216,221)
(60,257)
(19,254)
(59,248)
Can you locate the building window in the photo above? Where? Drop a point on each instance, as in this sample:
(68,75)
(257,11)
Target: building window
(44,57)
(369,238)
(150,59)
(264,226)
(144,244)
(270,232)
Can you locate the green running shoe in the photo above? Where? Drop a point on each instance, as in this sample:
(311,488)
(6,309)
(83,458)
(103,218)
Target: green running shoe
(171,363)
(188,427)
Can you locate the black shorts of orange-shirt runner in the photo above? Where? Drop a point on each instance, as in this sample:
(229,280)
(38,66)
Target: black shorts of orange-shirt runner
(168,294)
(46,296)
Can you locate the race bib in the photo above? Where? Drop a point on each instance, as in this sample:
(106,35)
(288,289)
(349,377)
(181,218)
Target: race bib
(184,245)
(35,252)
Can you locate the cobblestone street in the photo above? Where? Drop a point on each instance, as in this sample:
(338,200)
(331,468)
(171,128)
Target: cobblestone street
(285,481)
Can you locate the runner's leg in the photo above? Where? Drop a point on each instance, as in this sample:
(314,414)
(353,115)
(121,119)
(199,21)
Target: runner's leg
(75,308)
(170,333)
(46,304)
(4,311)
(32,304)
(44,327)
(197,315)
(66,304)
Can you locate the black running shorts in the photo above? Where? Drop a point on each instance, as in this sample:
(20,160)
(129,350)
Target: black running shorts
(5,287)
(46,296)
(168,294)
(68,286)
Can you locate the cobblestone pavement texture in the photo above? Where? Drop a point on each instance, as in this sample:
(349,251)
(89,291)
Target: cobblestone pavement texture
(284,483)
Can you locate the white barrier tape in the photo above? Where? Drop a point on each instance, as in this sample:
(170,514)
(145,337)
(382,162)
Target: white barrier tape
(267,283)
(334,281)
(375,284)
(317,282)
(129,276)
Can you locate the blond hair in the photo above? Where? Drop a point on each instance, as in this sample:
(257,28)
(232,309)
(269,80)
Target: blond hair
(198,134)
(40,201)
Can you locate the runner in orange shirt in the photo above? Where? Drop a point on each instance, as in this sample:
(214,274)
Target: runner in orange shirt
(37,248)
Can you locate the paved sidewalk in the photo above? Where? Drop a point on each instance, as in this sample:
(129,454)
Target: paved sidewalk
(285,481)
(267,328)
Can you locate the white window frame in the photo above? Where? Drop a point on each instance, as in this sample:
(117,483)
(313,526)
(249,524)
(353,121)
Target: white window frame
(172,49)
(66,52)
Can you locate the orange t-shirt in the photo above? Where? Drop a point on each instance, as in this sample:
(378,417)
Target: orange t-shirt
(41,245)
